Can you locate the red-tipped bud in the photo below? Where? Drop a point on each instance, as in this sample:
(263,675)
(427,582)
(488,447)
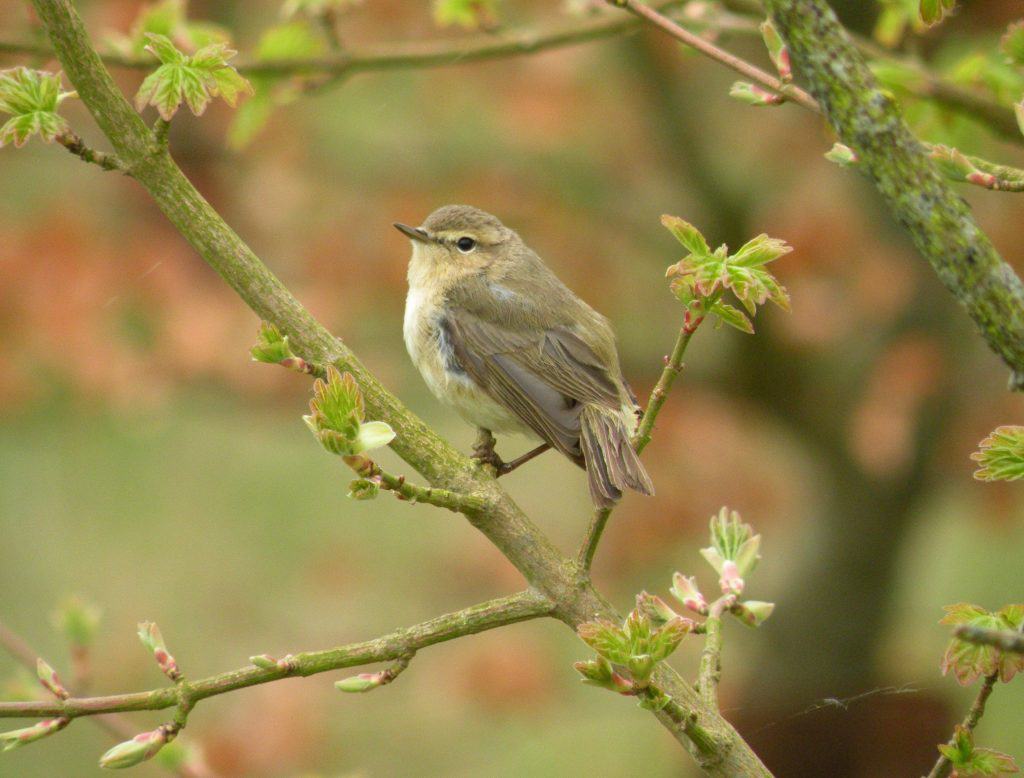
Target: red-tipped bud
(48,678)
(149,634)
(685,590)
(731,580)
(143,746)
(363,682)
(17,738)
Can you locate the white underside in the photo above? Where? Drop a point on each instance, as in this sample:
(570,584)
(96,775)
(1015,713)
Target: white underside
(455,390)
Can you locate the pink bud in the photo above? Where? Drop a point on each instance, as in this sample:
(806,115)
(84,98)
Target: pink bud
(48,678)
(685,590)
(731,581)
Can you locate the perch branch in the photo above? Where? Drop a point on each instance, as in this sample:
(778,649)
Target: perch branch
(393,646)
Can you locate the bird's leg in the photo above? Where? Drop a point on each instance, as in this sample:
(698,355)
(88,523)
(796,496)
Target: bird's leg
(508,467)
(483,450)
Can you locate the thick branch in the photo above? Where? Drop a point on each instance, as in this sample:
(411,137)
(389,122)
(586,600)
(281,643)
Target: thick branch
(502,522)
(940,223)
(395,645)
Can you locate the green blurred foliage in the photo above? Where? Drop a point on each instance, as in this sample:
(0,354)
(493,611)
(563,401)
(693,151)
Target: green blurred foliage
(148,465)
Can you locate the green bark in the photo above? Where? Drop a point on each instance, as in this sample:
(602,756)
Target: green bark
(938,220)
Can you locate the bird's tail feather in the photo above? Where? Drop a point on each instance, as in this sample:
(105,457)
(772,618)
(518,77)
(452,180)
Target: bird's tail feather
(612,464)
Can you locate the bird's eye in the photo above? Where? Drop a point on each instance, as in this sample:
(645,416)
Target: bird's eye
(465,244)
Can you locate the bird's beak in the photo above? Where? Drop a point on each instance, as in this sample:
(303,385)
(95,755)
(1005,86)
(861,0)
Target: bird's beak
(413,232)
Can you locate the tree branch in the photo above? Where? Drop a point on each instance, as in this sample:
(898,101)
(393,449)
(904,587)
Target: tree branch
(708,49)
(502,521)
(397,56)
(1003,639)
(939,222)
(393,646)
(673,364)
(114,724)
(943,767)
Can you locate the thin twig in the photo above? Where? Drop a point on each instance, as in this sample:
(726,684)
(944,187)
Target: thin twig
(73,143)
(396,56)
(708,49)
(673,364)
(115,724)
(1003,639)
(943,767)
(710,670)
(395,645)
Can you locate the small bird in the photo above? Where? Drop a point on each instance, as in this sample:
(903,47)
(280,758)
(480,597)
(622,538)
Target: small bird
(506,344)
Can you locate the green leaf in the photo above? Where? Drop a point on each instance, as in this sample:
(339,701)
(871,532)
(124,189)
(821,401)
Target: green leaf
(967,661)
(167,18)
(373,434)
(734,317)
(1012,43)
(272,347)
(934,11)
(607,639)
(315,7)
(1001,455)
(599,673)
(967,759)
(32,97)
(471,14)
(705,274)
(78,621)
(686,234)
(194,80)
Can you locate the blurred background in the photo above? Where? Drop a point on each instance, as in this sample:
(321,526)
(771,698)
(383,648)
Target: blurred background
(148,466)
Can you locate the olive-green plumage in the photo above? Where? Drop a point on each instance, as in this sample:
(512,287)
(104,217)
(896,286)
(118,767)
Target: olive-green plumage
(499,338)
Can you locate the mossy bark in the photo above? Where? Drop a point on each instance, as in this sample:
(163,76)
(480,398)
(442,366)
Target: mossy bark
(941,225)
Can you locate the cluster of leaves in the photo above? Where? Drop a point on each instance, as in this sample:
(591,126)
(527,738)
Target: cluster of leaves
(701,278)
(336,417)
(968,661)
(1000,456)
(193,79)
(170,19)
(31,97)
(898,16)
(637,646)
(627,655)
(967,759)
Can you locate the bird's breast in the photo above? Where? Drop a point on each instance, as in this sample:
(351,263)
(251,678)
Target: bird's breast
(428,342)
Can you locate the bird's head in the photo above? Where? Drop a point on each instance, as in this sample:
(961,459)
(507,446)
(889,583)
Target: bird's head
(457,240)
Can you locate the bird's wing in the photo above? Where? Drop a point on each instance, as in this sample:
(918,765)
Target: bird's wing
(543,376)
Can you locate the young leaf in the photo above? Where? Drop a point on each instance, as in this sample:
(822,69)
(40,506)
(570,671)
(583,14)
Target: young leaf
(732,316)
(471,14)
(31,97)
(315,7)
(607,639)
(934,11)
(967,759)
(195,79)
(1012,43)
(967,661)
(16,738)
(686,234)
(1001,455)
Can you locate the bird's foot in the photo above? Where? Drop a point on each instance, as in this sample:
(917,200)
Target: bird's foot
(484,453)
